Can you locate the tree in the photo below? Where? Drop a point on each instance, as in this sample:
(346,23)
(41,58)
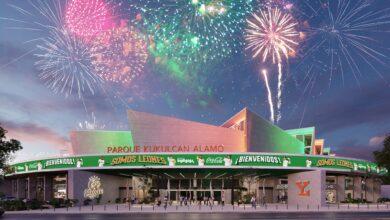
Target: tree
(7,148)
(383,158)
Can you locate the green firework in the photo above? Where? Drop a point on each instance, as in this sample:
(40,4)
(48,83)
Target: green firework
(193,31)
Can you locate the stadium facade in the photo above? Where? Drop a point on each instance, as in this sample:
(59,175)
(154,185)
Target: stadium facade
(168,157)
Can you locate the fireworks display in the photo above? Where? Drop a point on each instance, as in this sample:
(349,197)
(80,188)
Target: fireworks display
(87,18)
(346,39)
(194,46)
(192,31)
(119,55)
(65,64)
(271,35)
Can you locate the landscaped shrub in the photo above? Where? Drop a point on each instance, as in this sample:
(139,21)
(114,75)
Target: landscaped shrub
(13,205)
(34,204)
(382,200)
(57,203)
(87,201)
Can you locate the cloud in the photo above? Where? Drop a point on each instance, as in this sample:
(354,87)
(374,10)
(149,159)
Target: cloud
(353,148)
(377,140)
(31,134)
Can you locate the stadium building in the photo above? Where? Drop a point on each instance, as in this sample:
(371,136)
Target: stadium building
(168,157)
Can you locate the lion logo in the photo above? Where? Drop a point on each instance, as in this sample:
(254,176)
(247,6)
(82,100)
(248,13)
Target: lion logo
(94,189)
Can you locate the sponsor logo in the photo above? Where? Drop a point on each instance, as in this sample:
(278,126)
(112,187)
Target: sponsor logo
(302,185)
(185,160)
(214,160)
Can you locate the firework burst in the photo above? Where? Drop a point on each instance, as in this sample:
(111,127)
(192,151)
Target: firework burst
(347,40)
(64,59)
(119,55)
(272,35)
(65,64)
(87,18)
(192,31)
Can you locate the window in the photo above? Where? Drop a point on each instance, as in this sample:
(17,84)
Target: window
(59,186)
(308,140)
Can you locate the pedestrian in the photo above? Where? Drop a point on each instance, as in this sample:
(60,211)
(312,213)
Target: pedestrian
(165,202)
(253,202)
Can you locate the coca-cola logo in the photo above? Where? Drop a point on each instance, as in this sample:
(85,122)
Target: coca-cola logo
(214,160)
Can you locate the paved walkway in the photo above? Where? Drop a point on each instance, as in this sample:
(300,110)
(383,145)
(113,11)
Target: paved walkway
(125,208)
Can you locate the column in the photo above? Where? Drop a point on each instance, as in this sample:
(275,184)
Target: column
(169,189)
(232,191)
(376,189)
(307,188)
(32,186)
(370,190)
(47,188)
(127,190)
(275,190)
(340,187)
(22,187)
(357,187)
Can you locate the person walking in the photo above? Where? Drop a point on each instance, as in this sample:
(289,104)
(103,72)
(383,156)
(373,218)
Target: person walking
(253,202)
(165,202)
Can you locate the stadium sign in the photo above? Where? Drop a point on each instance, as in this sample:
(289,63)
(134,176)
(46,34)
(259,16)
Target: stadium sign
(256,160)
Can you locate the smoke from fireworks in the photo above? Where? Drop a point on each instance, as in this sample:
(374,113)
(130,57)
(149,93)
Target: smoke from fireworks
(119,55)
(271,35)
(87,18)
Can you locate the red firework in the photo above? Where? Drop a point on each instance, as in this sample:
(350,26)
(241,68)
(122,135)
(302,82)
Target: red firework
(87,18)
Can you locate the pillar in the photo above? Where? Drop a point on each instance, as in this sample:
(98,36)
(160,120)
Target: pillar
(232,191)
(22,187)
(32,186)
(48,188)
(370,189)
(357,187)
(376,189)
(340,187)
(274,183)
(127,190)
(169,190)
(307,188)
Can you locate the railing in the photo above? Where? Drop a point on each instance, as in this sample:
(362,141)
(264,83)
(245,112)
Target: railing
(146,208)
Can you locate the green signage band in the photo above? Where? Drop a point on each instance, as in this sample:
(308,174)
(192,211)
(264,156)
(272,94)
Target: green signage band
(252,160)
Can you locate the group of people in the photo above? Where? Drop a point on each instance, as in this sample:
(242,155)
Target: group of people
(206,200)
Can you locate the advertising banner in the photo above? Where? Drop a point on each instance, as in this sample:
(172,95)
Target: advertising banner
(200,160)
